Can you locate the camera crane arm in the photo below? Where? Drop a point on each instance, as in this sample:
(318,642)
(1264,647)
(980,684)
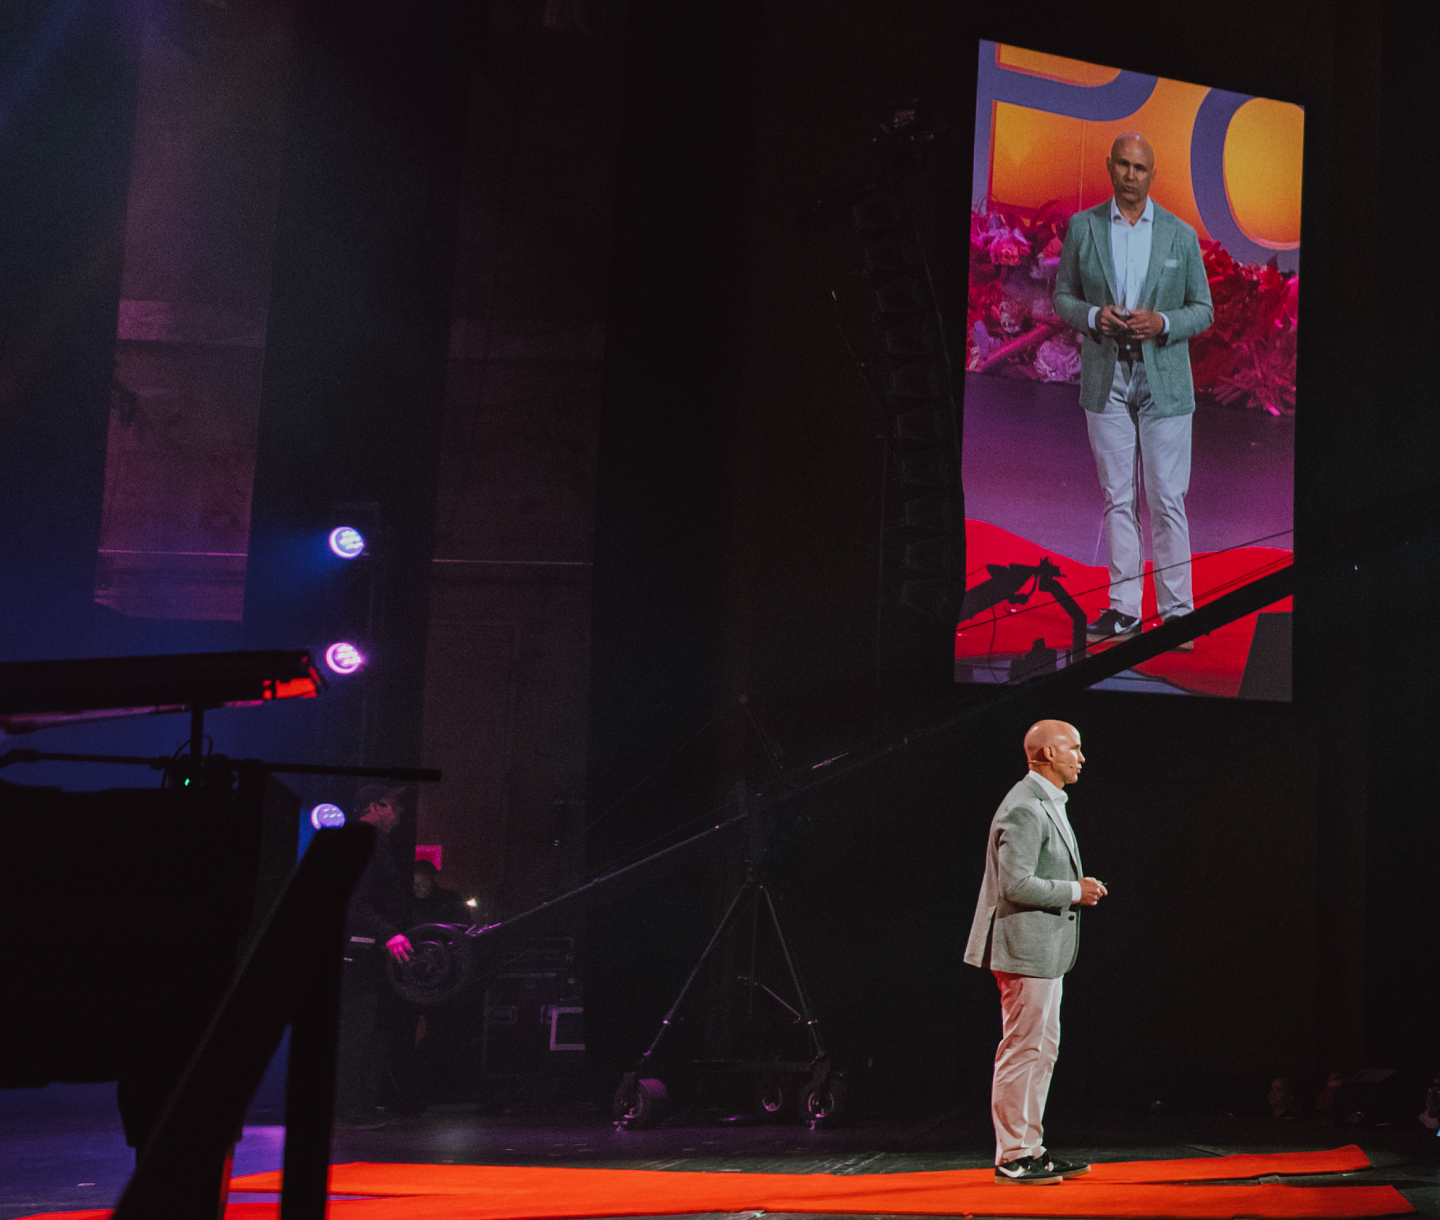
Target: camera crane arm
(1005,584)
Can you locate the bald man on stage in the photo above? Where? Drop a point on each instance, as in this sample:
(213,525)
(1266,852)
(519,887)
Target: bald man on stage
(1027,932)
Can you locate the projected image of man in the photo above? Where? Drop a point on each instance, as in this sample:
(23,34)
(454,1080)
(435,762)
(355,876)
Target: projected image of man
(1132,280)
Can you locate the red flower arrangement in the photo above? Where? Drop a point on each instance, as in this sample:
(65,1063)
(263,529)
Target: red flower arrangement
(1011,325)
(1247,355)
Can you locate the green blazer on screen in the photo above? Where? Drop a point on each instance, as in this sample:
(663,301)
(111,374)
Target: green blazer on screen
(1175,285)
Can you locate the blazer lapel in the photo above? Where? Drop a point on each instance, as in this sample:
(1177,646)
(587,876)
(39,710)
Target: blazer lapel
(1059,829)
(1162,238)
(1100,229)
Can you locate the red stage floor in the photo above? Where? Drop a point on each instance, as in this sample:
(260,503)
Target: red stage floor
(1215,667)
(1203,1188)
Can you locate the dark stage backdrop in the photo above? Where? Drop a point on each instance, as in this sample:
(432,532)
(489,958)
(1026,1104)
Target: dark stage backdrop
(355,359)
(659,687)
(67,115)
(1270,913)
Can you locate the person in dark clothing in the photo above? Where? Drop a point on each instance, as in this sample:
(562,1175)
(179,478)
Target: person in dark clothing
(373,1019)
(377,905)
(431,903)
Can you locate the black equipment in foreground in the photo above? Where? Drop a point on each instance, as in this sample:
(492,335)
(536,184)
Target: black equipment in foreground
(121,971)
(290,977)
(128,970)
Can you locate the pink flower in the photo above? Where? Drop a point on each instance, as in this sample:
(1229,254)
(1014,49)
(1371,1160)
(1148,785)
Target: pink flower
(1057,360)
(1007,250)
(1012,315)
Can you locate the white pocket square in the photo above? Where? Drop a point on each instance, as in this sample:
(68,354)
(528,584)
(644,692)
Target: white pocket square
(1172,262)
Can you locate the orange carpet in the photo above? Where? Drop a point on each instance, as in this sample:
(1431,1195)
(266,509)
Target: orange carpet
(1141,1189)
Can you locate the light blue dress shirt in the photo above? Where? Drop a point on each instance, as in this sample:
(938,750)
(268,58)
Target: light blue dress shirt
(1130,257)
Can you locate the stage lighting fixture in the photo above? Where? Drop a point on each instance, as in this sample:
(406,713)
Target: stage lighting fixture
(347,542)
(343,658)
(327,817)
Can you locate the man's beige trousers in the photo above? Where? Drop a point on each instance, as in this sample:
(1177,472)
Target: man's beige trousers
(1024,1061)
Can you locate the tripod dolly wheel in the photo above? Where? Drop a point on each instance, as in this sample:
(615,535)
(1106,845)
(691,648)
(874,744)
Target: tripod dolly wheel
(773,1095)
(645,1108)
(439,964)
(823,1103)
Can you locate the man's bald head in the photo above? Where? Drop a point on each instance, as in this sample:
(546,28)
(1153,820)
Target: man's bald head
(1133,144)
(1132,169)
(1052,748)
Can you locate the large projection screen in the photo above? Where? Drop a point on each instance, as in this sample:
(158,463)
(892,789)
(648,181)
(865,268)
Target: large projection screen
(1228,166)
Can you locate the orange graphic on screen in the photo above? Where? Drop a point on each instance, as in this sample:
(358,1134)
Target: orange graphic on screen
(1041,160)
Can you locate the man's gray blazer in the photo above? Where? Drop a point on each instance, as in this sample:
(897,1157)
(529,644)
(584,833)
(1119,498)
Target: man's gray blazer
(1024,923)
(1175,285)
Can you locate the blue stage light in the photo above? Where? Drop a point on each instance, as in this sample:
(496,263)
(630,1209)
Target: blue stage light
(347,542)
(343,658)
(327,817)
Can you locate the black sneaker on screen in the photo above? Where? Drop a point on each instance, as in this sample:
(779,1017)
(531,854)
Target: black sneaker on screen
(1111,625)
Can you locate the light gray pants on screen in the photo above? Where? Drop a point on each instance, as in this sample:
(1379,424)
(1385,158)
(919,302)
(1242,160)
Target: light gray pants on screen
(1024,1062)
(1128,424)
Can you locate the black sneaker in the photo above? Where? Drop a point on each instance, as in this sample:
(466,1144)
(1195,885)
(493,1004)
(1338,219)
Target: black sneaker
(1112,625)
(1027,1171)
(1066,1169)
